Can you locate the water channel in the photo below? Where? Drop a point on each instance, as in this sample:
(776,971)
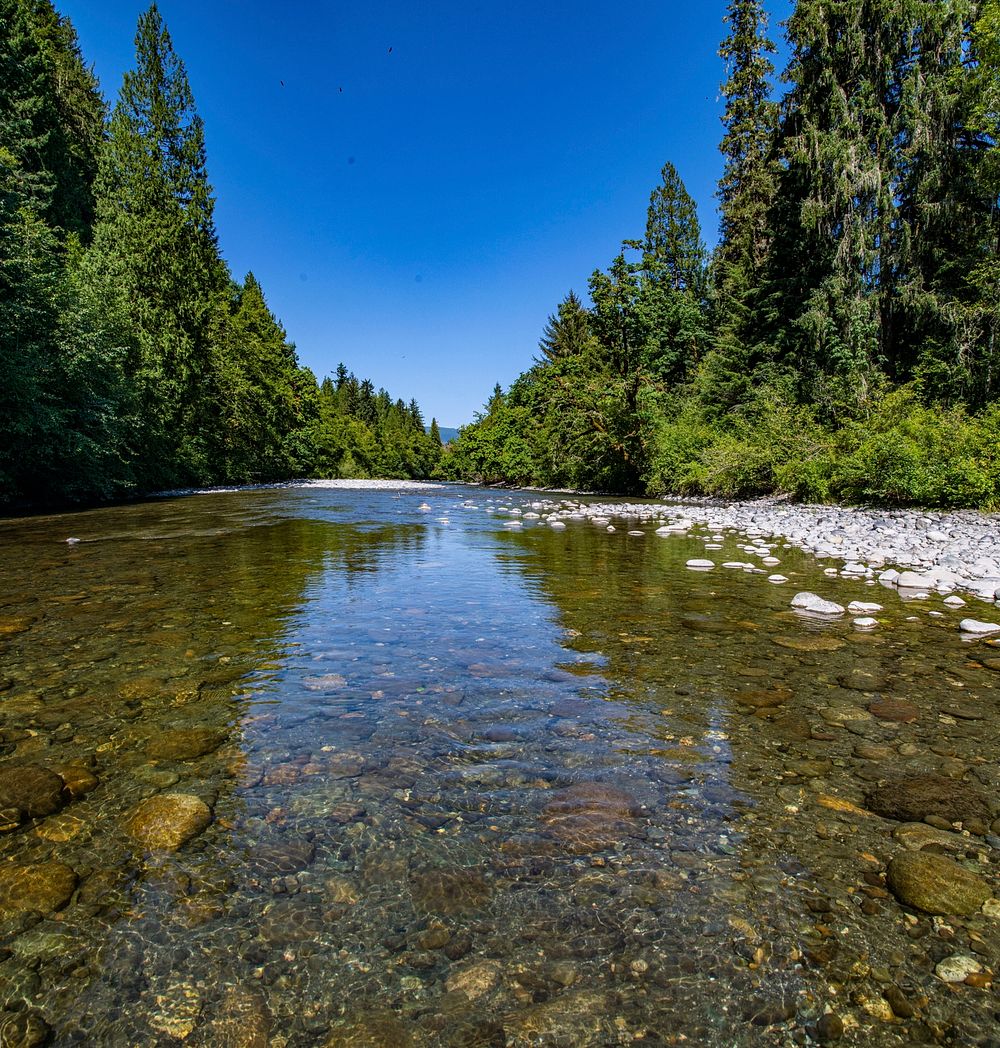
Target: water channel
(322,766)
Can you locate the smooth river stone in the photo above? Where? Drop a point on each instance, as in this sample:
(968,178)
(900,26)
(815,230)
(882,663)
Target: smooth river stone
(915,836)
(475,981)
(914,797)
(591,816)
(816,605)
(936,885)
(184,745)
(43,887)
(241,1020)
(33,790)
(168,820)
(809,643)
(979,629)
(898,710)
(370,1030)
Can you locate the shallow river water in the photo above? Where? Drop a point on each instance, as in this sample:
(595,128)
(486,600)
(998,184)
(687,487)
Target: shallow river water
(314,766)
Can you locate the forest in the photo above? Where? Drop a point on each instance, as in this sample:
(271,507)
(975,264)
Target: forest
(837,344)
(131,360)
(840,342)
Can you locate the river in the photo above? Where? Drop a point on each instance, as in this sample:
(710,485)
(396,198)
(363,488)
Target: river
(399,767)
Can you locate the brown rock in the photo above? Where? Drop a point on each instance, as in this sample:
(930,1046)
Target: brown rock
(450,891)
(936,885)
(591,816)
(241,1020)
(77,781)
(22,1030)
(43,888)
(371,1030)
(168,820)
(914,797)
(476,980)
(184,745)
(898,710)
(33,790)
(763,699)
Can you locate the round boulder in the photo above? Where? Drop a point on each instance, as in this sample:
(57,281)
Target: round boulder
(168,820)
(32,790)
(41,888)
(936,885)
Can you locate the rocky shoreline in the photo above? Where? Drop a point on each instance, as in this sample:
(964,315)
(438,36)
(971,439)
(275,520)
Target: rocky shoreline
(912,551)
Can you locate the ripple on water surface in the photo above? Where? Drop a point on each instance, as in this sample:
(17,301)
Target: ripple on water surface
(328,766)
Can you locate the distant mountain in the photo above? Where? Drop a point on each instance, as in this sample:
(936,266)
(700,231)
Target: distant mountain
(447,433)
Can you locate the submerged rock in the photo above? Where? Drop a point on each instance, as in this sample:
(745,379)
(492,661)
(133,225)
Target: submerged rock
(957,968)
(184,745)
(370,1030)
(43,887)
(241,1020)
(22,1029)
(936,885)
(168,820)
(591,816)
(913,798)
(33,790)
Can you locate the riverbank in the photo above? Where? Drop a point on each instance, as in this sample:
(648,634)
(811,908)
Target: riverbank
(913,551)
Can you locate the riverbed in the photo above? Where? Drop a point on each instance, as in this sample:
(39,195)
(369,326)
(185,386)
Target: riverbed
(433,765)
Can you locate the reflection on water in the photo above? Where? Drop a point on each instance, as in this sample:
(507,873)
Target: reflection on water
(326,767)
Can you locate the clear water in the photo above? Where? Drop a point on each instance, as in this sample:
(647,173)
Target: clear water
(469,784)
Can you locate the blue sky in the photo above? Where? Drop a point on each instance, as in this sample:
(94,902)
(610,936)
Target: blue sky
(421,223)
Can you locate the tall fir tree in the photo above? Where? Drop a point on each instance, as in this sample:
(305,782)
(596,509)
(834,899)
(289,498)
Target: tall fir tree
(671,302)
(746,190)
(155,249)
(80,113)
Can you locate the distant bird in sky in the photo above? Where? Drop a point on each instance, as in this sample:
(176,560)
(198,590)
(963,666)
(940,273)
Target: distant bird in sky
(282,82)
(390,50)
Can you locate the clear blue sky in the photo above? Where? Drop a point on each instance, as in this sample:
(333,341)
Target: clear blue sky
(422,223)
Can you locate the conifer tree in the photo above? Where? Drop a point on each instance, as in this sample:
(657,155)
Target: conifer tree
(567,334)
(746,189)
(670,303)
(28,116)
(79,110)
(155,248)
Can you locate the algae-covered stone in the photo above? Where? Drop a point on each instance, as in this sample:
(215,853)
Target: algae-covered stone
(936,885)
(370,1030)
(22,1030)
(168,820)
(184,745)
(42,887)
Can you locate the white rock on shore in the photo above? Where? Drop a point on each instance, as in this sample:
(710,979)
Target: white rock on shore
(815,605)
(915,551)
(980,629)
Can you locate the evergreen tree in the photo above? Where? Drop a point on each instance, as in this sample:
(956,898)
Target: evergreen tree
(670,305)
(155,247)
(28,115)
(435,432)
(567,334)
(745,193)
(940,324)
(78,133)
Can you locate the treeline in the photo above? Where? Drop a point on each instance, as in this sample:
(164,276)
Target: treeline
(841,340)
(130,359)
